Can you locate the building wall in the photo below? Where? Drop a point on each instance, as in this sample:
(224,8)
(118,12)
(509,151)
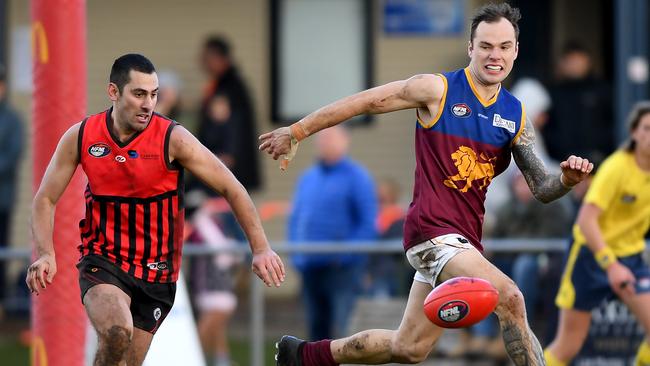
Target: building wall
(170,33)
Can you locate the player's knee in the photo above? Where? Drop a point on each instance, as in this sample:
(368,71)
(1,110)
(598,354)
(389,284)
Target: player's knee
(115,342)
(511,301)
(408,353)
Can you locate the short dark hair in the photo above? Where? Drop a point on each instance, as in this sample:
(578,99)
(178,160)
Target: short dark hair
(640,109)
(218,45)
(492,13)
(124,64)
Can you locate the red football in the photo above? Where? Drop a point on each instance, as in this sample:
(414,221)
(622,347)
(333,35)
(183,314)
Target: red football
(460,302)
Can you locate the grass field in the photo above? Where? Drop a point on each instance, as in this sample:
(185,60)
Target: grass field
(12,353)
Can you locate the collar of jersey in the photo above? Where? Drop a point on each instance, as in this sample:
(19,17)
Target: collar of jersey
(475,91)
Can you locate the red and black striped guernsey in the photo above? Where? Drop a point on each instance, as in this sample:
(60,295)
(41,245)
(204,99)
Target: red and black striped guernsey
(134,198)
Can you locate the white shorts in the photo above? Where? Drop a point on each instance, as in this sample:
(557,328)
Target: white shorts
(430,257)
(216,301)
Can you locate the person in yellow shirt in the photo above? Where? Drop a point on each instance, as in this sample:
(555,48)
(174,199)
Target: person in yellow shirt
(605,258)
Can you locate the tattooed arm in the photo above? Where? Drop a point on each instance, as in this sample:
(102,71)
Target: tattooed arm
(546,187)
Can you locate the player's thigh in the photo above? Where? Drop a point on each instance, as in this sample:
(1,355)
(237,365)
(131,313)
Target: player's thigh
(639,303)
(107,306)
(471,263)
(640,306)
(416,330)
(139,347)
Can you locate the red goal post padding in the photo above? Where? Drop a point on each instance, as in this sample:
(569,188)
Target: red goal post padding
(59,101)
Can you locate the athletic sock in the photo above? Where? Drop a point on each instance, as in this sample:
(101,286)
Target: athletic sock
(318,354)
(551,360)
(643,354)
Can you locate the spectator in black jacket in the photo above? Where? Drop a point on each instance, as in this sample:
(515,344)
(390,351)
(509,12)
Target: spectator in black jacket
(581,106)
(227,120)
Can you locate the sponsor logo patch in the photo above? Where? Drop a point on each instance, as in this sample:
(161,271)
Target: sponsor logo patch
(453,311)
(461,110)
(497,121)
(133,154)
(157,313)
(99,150)
(157,266)
(120,159)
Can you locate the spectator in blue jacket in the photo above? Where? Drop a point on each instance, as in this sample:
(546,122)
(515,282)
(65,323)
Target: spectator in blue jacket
(335,201)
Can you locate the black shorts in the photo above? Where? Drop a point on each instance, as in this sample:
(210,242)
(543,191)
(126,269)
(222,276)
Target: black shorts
(150,302)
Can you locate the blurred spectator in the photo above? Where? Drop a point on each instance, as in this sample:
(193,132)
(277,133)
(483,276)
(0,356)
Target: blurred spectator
(227,121)
(556,260)
(389,275)
(522,217)
(212,278)
(334,201)
(11,146)
(390,220)
(582,106)
(537,103)
(169,100)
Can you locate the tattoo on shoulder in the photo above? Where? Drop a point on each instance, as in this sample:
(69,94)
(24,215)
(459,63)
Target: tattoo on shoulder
(527,136)
(545,186)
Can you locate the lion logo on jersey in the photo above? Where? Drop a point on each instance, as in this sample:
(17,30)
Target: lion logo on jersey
(470,168)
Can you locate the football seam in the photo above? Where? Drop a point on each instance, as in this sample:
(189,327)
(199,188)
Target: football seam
(462,292)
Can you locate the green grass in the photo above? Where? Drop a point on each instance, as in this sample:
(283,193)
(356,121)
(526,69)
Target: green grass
(13,353)
(240,352)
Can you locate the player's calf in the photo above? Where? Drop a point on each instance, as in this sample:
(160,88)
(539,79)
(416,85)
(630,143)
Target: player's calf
(520,342)
(113,345)
(406,353)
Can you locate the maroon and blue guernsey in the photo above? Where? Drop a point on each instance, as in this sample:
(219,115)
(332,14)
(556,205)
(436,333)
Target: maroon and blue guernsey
(458,153)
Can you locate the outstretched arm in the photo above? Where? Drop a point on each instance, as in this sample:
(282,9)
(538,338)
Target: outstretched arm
(191,154)
(420,91)
(546,187)
(57,176)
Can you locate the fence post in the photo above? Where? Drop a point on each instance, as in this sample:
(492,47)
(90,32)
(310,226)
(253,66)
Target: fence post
(257,321)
